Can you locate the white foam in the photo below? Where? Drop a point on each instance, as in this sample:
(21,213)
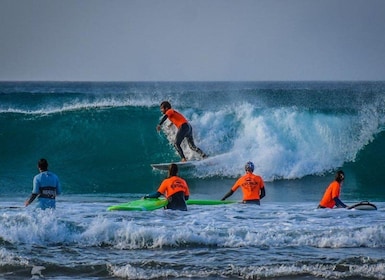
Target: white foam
(284,143)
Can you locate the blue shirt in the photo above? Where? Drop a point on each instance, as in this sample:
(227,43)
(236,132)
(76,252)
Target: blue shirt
(46,184)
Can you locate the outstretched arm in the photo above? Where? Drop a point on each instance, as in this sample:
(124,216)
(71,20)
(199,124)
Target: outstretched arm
(158,127)
(153,195)
(31,199)
(339,203)
(230,193)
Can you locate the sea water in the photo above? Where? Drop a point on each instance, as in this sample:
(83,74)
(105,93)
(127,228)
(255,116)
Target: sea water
(100,139)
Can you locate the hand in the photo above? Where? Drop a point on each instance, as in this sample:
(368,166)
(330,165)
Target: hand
(26,203)
(158,127)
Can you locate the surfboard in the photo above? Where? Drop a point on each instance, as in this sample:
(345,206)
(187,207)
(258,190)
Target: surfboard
(151,204)
(181,164)
(208,161)
(363,205)
(208,202)
(148,204)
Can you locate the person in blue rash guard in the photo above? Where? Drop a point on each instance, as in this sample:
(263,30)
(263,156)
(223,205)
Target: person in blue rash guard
(46,186)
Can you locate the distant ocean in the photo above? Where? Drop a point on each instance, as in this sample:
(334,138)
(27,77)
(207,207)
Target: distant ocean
(100,139)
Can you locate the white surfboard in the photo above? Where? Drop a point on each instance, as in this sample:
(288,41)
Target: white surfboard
(181,164)
(363,205)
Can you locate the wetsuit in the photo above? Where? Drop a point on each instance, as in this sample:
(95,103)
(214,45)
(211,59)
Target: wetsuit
(184,131)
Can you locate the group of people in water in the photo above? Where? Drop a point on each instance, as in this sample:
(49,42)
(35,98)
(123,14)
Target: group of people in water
(176,190)
(46,184)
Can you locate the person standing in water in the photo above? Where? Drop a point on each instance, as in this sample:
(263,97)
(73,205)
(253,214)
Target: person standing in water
(331,197)
(184,129)
(174,188)
(46,187)
(252,185)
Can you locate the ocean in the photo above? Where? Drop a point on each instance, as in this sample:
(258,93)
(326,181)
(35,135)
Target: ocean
(100,138)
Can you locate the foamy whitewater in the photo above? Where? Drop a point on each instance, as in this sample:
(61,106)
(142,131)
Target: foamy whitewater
(100,139)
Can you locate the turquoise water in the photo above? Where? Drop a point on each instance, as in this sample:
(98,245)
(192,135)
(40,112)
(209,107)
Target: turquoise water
(100,139)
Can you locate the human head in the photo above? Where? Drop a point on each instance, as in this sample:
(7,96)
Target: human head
(340,176)
(42,164)
(166,105)
(249,167)
(172,170)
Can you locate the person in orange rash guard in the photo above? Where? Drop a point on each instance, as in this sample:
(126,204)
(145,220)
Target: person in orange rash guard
(174,188)
(184,129)
(252,185)
(332,193)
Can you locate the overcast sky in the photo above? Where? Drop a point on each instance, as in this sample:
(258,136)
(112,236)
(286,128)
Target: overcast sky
(197,40)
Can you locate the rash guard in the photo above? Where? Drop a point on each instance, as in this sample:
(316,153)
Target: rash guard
(331,196)
(175,117)
(46,187)
(176,190)
(173,185)
(251,185)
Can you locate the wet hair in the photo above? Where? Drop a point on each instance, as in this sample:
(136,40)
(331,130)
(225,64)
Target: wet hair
(42,164)
(249,166)
(165,104)
(172,170)
(340,176)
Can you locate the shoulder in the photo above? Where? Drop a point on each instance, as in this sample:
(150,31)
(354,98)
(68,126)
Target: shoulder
(170,112)
(334,184)
(177,178)
(50,173)
(252,176)
(257,176)
(166,181)
(38,176)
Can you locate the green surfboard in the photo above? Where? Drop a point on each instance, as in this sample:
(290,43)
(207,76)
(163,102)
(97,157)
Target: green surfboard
(208,202)
(148,204)
(151,204)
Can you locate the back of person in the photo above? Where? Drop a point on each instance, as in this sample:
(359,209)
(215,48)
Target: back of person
(175,190)
(177,202)
(251,185)
(46,185)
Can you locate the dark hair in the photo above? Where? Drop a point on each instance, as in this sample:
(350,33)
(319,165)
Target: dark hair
(340,176)
(172,170)
(165,104)
(42,164)
(249,166)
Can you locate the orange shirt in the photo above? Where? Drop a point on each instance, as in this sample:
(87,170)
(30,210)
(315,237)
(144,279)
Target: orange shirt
(251,185)
(332,191)
(173,185)
(175,117)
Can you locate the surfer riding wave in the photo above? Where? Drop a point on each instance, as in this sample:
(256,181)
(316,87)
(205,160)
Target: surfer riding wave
(184,129)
